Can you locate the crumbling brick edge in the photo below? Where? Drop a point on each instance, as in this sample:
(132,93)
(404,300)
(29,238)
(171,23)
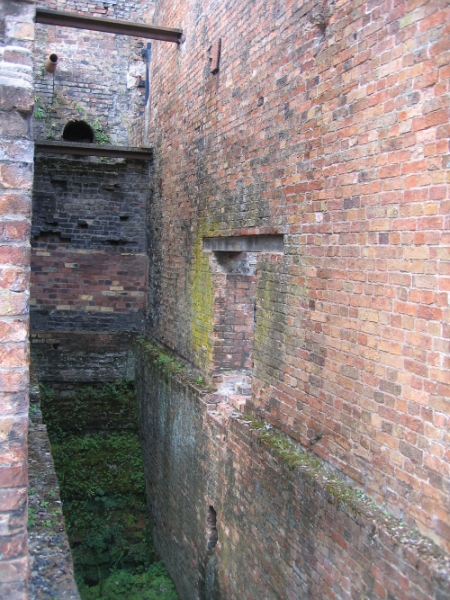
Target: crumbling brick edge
(51,565)
(417,551)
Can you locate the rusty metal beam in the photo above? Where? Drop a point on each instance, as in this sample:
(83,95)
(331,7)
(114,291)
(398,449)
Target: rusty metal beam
(93,150)
(64,19)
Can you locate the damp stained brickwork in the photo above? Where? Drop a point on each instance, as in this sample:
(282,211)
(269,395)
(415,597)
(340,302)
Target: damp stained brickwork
(88,245)
(234,310)
(89,258)
(76,369)
(327,123)
(259,518)
(90,205)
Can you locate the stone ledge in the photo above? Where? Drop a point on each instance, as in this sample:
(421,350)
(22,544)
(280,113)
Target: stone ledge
(51,567)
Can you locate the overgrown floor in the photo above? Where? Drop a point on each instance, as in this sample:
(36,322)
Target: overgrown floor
(103,492)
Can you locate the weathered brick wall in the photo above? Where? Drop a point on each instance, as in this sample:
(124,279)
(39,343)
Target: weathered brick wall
(327,122)
(89,261)
(283,532)
(71,364)
(97,73)
(90,204)
(234,310)
(88,235)
(88,245)
(16,171)
(80,357)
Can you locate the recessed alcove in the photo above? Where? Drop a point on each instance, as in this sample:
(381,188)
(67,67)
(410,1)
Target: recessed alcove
(233,262)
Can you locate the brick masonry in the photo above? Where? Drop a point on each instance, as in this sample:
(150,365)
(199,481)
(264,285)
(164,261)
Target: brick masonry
(97,74)
(68,362)
(234,310)
(16,175)
(89,260)
(89,263)
(279,532)
(326,122)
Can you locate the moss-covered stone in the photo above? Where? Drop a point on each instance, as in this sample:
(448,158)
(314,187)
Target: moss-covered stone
(170,364)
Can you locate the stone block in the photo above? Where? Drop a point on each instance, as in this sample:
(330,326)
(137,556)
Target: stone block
(13,476)
(18,97)
(13,499)
(12,571)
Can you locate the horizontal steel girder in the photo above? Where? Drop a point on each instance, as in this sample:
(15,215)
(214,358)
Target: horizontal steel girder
(64,19)
(77,149)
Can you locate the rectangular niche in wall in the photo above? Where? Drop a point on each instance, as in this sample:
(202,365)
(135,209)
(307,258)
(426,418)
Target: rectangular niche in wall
(245,243)
(233,263)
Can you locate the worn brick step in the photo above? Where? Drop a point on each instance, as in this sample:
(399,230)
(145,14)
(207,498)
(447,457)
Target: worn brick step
(225,408)
(231,378)
(214,398)
(239,402)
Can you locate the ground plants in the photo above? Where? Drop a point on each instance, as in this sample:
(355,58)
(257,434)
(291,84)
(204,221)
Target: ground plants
(77,414)
(103,492)
(39,112)
(154,584)
(101,136)
(102,488)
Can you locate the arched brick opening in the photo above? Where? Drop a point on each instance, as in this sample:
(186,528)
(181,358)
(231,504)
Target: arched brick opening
(78,131)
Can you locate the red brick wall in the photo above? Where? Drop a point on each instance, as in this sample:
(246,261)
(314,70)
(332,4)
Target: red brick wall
(86,281)
(234,310)
(333,131)
(287,527)
(16,170)
(234,327)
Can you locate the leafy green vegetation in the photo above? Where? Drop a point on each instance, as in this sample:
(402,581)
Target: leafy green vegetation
(122,585)
(39,113)
(31,517)
(101,136)
(102,488)
(103,492)
(78,413)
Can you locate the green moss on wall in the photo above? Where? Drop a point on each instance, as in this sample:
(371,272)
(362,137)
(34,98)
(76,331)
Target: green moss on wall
(337,490)
(266,291)
(294,458)
(172,365)
(202,303)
